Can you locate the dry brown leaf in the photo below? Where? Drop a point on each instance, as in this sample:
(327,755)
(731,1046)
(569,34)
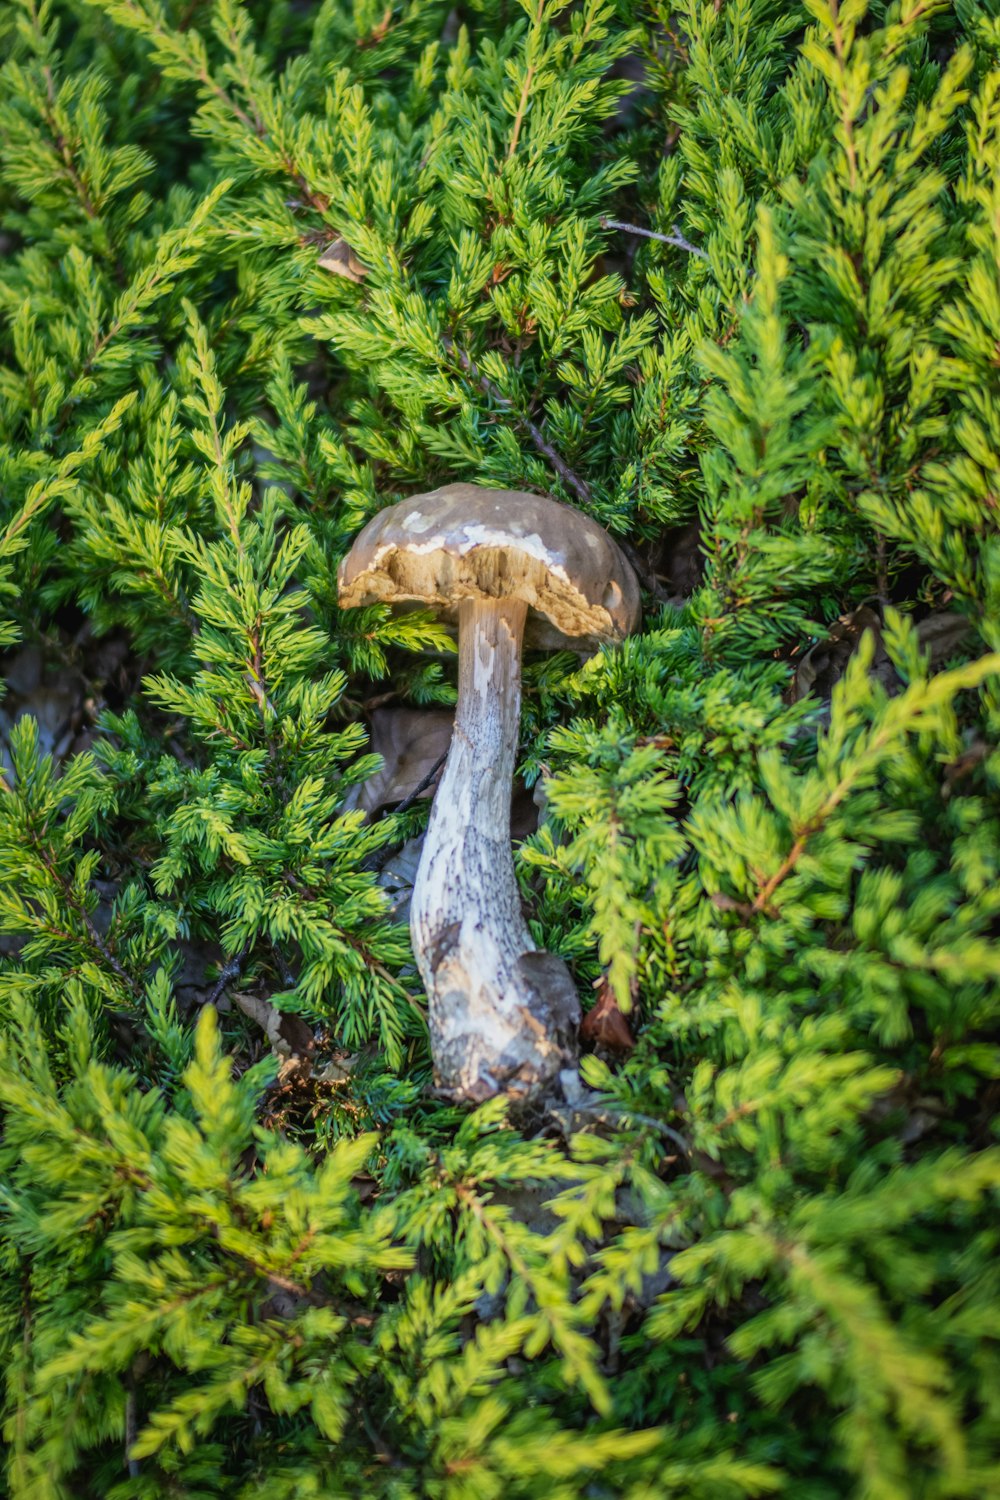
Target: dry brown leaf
(397,876)
(941,633)
(340,260)
(52,695)
(411,742)
(677,562)
(823,664)
(605,1025)
(289,1034)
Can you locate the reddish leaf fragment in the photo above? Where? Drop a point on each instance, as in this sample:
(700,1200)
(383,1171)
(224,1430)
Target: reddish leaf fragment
(605,1025)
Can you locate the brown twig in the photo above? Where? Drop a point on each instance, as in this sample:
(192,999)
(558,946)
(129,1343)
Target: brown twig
(521,107)
(525,90)
(818,822)
(846,119)
(64,149)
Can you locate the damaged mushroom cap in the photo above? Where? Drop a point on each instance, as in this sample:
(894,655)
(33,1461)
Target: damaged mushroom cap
(465,542)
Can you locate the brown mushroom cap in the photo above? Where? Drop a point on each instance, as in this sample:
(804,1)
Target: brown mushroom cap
(465,542)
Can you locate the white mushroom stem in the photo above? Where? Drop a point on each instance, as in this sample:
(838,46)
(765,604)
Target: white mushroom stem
(503,1016)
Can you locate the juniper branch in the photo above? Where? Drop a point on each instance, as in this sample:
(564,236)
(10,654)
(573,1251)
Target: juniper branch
(545,448)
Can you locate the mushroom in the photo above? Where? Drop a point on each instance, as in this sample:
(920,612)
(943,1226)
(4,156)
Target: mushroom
(505,565)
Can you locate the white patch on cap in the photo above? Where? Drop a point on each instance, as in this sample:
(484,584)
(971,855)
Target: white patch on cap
(471,539)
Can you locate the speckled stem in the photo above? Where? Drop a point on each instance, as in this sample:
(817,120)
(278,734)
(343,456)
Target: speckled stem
(503,1016)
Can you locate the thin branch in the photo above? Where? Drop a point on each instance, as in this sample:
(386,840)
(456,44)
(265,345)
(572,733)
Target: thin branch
(882,571)
(676,238)
(49,861)
(106,953)
(630,1116)
(422,785)
(521,107)
(131,1429)
(228,973)
(818,822)
(526,89)
(545,448)
(381,857)
(62,146)
(846,118)
(285,972)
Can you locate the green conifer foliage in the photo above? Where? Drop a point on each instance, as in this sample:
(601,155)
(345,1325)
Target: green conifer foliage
(724,275)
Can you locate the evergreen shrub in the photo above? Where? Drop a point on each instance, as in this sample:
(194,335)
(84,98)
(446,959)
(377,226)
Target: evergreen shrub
(265,268)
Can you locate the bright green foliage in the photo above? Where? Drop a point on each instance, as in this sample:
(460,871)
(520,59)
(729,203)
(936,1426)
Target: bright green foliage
(265,269)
